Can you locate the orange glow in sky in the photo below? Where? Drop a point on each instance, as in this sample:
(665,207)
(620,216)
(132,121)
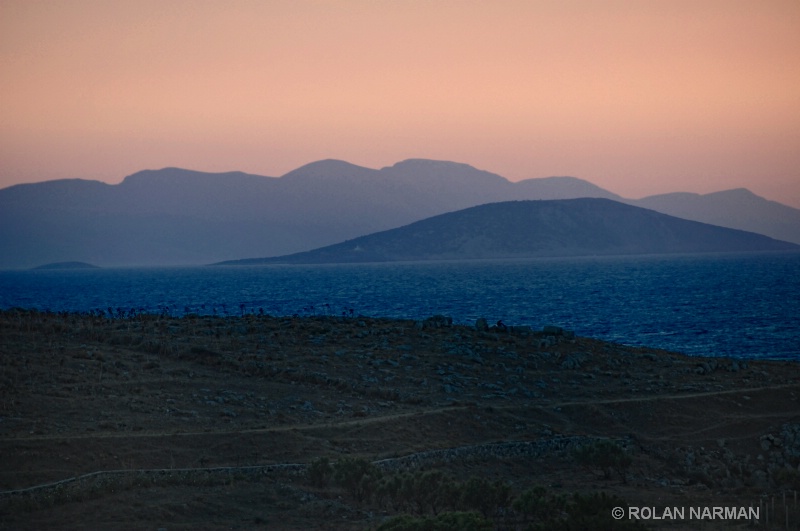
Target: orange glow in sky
(639,97)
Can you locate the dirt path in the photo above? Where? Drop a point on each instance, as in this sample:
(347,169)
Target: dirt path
(676,396)
(408,414)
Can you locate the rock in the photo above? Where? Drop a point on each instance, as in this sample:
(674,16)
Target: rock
(790,435)
(689,459)
(706,368)
(521,330)
(481,324)
(765,443)
(759,479)
(438,321)
(573,361)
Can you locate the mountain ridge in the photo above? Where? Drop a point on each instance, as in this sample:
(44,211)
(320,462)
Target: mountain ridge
(176,216)
(753,212)
(532,229)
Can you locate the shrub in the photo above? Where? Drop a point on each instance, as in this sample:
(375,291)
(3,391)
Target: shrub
(357,476)
(487,497)
(539,506)
(450,521)
(319,472)
(593,511)
(604,455)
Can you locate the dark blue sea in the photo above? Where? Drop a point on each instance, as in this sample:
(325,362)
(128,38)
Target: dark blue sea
(745,306)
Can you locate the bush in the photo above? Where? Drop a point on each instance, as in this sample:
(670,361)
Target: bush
(539,506)
(604,455)
(788,478)
(451,521)
(319,472)
(593,511)
(357,476)
(487,497)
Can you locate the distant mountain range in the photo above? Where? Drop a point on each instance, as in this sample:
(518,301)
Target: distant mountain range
(177,217)
(524,229)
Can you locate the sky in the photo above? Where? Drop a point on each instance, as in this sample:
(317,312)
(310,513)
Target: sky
(640,97)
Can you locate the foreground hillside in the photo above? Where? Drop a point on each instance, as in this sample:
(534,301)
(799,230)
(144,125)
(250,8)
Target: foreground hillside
(322,422)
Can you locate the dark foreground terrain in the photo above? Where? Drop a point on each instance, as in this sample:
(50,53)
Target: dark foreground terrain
(321,422)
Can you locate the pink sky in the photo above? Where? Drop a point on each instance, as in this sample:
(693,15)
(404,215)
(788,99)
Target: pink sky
(640,96)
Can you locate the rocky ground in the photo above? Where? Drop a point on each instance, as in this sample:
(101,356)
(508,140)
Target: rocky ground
(198,422)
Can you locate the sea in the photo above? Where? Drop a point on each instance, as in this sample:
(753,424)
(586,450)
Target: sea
(729,305)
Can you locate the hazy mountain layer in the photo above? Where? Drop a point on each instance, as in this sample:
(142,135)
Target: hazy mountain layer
(738,209)
(517,229)
(174,216)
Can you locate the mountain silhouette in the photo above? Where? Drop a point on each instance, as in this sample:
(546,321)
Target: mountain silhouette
(176,216)
(739,209)
(524,229)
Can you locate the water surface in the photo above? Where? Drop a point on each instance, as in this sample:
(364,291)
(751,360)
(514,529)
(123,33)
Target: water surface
(716,305)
